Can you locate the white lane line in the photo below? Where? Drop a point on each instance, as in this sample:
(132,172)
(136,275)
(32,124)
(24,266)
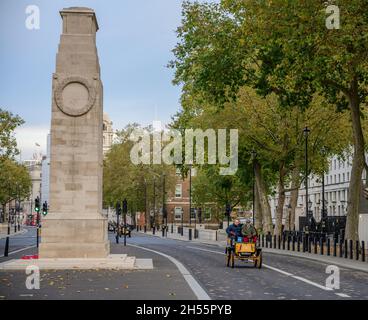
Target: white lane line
(19,250)
(193,284)
(312,283)
(278,270)
(343,295)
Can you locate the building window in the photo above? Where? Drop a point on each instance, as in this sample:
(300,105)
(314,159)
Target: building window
(207,213)
(192,213)
(178,191)
(348,176)
(178,213)
(178,172)
(343,177)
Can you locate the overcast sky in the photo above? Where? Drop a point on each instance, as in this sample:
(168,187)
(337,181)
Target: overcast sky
(134,46)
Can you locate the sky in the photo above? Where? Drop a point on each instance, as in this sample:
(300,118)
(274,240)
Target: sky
(134,45)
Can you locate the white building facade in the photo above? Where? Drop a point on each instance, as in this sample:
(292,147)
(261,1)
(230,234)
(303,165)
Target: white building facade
(336,182)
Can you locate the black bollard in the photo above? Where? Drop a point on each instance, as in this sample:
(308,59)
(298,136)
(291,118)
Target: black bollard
(334,248)
(190,234)
(298,243)
(274,241)
(328,247)
(315,245)
(351,249)
(357,250)
(346,249)
(279,244)
(153,230)
(363,252)
(293,246)
(6,251)
(145,229)
(321,245)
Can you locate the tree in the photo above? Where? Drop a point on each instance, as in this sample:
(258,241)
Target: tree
(8,143)
(123,179)
(210,189)
(297,55)
(226,46)
(15,182)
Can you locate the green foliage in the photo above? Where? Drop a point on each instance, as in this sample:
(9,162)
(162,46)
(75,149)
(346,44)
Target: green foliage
(15,181)
(124,180)
(8,143)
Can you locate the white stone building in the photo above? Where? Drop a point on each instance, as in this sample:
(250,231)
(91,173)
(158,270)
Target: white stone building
(337,181)
(108,133)
(35,171)
(45,173)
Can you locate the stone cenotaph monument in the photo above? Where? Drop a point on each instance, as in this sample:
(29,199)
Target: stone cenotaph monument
(74,226)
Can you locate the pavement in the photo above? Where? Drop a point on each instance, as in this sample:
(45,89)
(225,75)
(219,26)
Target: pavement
(191,270)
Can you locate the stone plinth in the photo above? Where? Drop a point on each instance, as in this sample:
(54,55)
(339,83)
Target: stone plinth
(74,226)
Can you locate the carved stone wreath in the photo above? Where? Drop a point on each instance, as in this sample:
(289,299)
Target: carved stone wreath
(75,96)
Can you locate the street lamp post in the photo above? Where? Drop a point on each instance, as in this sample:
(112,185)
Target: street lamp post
(306,133)
(195,222)
(164,215)
(190,194)
(154,205)
(6,251)
(118,211)
(254,154)
(182,221)
(125,210)
(145,205)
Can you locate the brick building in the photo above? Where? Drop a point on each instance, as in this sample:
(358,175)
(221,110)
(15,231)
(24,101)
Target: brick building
(178,203)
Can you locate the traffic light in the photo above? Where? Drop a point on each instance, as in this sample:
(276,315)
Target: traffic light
(228,210)
(37,204)
(118,208)
(44,208)
(125,206)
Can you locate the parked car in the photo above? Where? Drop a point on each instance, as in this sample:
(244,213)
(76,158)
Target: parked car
(112,226)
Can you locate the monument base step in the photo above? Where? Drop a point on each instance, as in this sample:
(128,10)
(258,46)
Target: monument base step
(113,262)
(74,250)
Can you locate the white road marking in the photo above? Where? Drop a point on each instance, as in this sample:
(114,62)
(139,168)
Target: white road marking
(343,295)
(278,270)
(193,284)
(19,250)
(284,273)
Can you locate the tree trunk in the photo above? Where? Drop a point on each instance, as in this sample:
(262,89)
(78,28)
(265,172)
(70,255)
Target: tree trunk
(352,221)
(280,201)
(265,205)
(258,208)
(2,218)
(294,194)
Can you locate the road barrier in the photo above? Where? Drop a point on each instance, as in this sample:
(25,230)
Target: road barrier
(322,245)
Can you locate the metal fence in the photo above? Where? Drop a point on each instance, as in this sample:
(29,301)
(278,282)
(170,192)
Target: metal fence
(321,244)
